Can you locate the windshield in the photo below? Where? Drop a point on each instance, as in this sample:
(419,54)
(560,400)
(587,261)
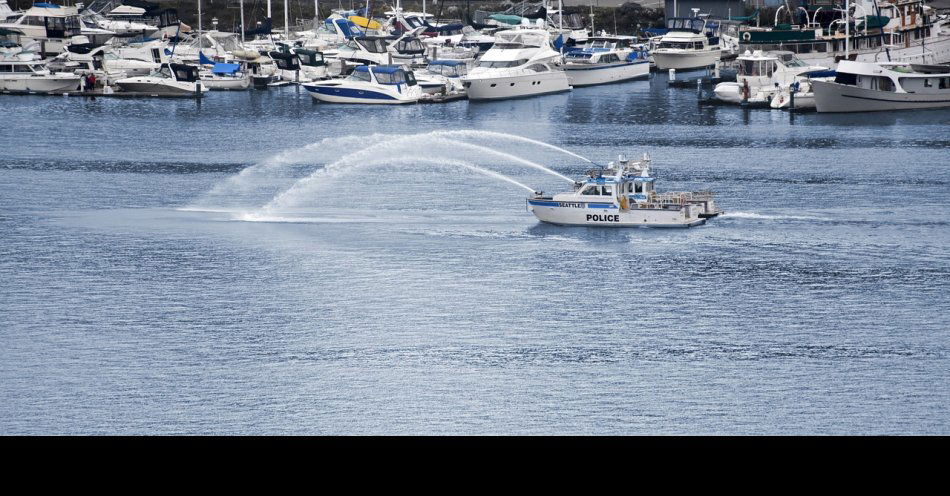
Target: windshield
(502,63)
(373,45)
(398,77)
(359,76)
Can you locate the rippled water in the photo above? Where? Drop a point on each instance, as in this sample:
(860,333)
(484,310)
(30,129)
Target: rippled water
(168,267)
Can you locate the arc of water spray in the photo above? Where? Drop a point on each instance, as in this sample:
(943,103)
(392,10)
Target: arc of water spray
(355,158)
(513,137)
(433,161)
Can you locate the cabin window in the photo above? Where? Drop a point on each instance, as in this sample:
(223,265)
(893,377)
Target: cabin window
(928,83)
(6,68)
(638,187)
(944,83)
(33,21)
(845,78)
(22,68)
(607,190)
(591,190)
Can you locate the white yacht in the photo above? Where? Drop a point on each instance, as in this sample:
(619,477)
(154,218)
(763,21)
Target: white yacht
(521,63)
(606,59)
(101,61)
(170,80)
(23,74)
(375,84)
(763,75)
(868,86)
(126,21)
(623,195)
(686,45)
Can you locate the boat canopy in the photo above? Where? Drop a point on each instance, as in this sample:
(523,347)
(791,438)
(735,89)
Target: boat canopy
(448,62)
(311,58)
(45,5)
(222,68)
(203,60)
(506,19)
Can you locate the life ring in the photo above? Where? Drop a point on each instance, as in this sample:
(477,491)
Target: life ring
(747,36)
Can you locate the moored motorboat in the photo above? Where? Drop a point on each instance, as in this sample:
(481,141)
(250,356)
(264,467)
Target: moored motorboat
(623,195)
(521,63)
(376,84)
(19,74)
(606,59)
(686,46)
(169,80)
(869,86)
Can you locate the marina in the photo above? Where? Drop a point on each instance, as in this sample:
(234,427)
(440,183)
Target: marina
(611,259)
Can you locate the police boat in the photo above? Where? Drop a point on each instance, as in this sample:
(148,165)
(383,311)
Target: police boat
(623,195)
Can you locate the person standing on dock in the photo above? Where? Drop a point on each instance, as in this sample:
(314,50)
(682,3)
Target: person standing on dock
(92,82)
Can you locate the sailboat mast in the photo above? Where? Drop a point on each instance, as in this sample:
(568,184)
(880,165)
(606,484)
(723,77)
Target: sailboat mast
(242,21)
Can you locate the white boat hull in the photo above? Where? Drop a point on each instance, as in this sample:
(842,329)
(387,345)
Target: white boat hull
(57,83)
(678,59)
(333,92)
(523,85)
(835,97)
(591,74)
(610,215)
(158,86)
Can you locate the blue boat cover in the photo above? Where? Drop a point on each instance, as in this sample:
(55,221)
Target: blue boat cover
(383,69)
(204,60)
(46,5)
(225,68)
(448,62)
(822,74)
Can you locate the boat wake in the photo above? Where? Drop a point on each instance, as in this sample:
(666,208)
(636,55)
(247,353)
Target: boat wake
(755,216)
(297,177)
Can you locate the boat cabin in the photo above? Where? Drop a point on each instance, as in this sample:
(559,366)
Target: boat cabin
(895,77)
(310,58)
(408,45)
(22,67)
(383,74)
(179,72)
(448,68)
(372,44)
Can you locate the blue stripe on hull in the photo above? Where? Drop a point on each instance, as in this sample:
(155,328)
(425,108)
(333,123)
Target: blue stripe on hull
(348,92)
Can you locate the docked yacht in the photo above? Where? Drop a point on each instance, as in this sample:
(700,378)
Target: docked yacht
(521,63)
(763,75)
(169,80)
(101,61)
(127,21)
(52,26)
(686,45)
(376,84)
(606,59)
(22,74)
(868,86)
(623,195)
(442,77)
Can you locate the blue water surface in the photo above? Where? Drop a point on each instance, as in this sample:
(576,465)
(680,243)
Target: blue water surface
(259,263)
